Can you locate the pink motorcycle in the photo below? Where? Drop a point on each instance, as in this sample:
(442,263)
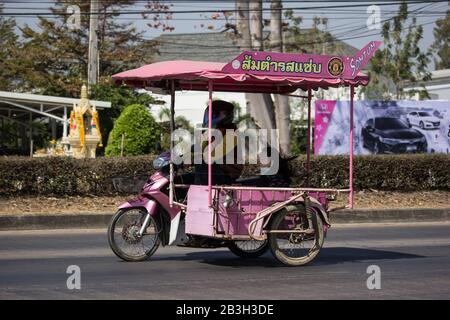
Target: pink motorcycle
(144,223)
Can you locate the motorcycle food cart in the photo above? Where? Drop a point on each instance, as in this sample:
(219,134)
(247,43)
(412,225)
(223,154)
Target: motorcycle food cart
(292,221)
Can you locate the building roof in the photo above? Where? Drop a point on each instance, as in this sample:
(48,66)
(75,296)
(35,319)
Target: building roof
(214,46)
(438,78)
(48,100)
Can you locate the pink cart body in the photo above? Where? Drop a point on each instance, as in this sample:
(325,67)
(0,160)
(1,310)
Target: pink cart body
(233,222)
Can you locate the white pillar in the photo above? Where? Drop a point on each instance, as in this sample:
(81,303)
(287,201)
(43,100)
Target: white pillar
(65,139)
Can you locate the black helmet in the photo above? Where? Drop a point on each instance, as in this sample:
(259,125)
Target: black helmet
(222,114)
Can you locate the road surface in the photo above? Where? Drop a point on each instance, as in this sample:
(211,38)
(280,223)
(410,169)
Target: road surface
(414,261)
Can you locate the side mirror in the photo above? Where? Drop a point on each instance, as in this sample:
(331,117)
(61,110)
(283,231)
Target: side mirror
(370,129)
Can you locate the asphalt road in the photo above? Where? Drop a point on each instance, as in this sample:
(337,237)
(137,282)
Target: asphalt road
(414,260)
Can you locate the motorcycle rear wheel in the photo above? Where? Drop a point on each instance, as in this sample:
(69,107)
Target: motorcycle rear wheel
(296,248)
(124,239)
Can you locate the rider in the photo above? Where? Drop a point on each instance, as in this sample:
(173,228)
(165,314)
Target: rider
(222,172)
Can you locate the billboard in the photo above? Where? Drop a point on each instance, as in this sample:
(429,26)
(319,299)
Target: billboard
(382,127)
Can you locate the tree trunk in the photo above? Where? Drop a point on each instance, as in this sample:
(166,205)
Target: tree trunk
(259,106)
(282,108)
(256,24)
(243,24)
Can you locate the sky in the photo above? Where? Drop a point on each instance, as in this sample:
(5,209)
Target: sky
(345,23)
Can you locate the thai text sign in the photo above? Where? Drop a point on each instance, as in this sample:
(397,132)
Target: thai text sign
(301,65)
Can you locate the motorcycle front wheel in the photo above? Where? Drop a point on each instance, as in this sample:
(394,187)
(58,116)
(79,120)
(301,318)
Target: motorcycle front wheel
(124,238)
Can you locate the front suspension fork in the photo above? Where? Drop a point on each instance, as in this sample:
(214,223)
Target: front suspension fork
(144,225)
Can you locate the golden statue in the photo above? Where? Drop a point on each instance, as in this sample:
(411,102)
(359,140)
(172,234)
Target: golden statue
(84,134)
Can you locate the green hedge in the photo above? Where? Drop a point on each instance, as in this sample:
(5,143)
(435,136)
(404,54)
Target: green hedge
(67,176)
(380,172)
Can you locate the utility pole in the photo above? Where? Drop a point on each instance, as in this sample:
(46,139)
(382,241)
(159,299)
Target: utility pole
(93,64)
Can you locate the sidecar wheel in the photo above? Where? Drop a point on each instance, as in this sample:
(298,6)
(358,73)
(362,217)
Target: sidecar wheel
(249,249)
(123,235)
(303,244)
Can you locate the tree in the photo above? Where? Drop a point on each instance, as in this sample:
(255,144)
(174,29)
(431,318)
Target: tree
(313,40)
(119,96)
(138,130)
(8,43)
(401,62)
(282,107)
(260,106)
(53,58)
(180,123)
(442,40)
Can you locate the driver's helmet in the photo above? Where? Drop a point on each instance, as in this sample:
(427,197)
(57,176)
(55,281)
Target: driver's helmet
(222,114)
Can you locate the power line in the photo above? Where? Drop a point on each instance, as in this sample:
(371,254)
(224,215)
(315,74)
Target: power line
(207,10)
(304,43)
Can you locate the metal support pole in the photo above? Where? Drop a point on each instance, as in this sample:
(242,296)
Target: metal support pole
(65,123)
(172,128)
(210,89)
(350,196)
(308,141)
(65,139)
(31,134)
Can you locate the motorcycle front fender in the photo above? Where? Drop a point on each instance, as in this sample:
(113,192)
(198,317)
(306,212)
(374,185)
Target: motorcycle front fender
(150,205)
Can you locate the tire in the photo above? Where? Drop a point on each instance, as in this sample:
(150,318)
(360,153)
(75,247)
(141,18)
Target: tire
(364,140)
(285,217)
(259,248)
(127,235)
(376,147)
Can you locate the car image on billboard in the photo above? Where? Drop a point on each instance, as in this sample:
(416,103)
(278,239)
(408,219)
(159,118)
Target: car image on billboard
(391,135)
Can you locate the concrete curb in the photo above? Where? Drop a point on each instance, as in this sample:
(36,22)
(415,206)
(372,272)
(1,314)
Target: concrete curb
(101,220)
(390,215)
(63,221)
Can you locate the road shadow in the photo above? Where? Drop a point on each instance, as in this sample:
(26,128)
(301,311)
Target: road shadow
(327,256)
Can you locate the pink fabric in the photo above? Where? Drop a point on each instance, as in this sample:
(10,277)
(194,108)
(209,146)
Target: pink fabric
(194,75)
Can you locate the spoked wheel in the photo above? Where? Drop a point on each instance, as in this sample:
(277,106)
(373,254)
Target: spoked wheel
(296,236)
(249,249)
(124,239)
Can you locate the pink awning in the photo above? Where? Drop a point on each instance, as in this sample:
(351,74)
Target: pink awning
(195,75)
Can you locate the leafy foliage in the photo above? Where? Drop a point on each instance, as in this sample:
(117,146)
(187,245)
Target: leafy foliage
(53,58)
(8,43)
(69,176)
(401,62)
(119,96)
(299,133)
(442,41)
(139,129)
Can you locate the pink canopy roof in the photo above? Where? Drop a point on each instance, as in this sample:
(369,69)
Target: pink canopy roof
(195,75)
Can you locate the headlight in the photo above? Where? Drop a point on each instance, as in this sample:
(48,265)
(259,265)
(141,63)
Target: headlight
(159,163)
(389,141)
